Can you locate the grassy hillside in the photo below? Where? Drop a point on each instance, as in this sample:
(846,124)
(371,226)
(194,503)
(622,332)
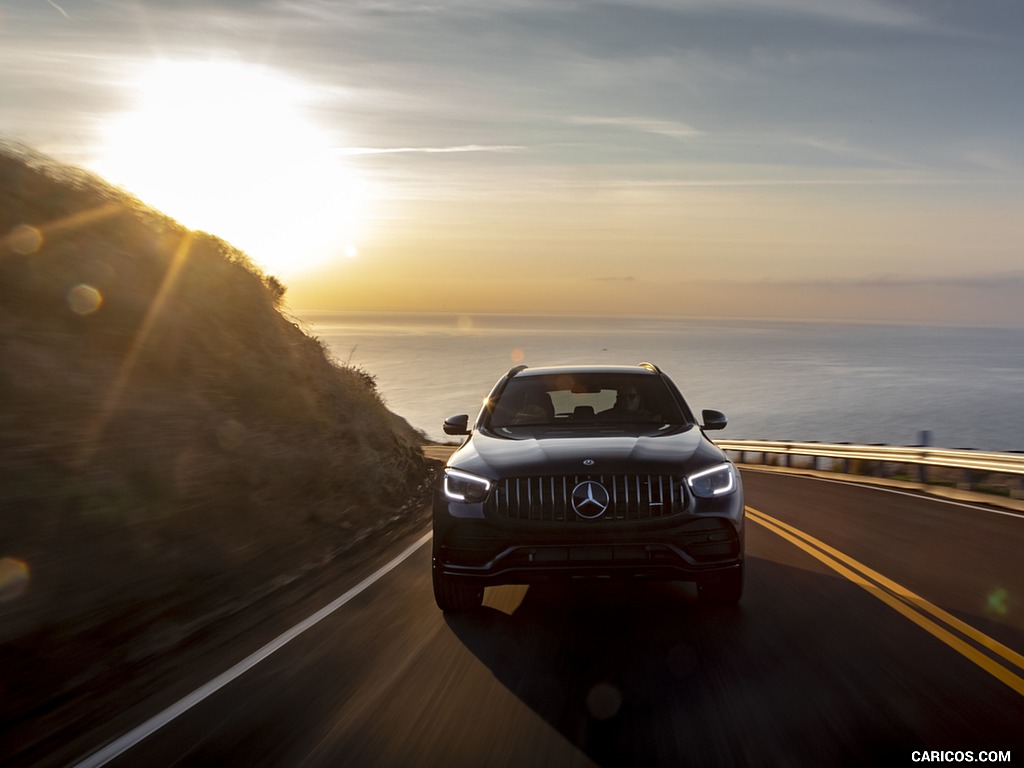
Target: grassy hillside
(171,444)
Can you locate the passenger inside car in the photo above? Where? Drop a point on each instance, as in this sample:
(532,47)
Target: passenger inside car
(536,408)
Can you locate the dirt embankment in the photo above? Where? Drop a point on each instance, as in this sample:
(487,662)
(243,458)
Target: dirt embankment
(172,446)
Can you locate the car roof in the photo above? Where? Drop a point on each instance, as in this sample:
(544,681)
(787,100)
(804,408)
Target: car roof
(641,369)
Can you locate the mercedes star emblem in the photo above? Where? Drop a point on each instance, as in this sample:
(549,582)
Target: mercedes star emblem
(590,499)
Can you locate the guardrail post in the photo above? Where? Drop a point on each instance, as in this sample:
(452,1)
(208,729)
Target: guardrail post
(924,438)
(878,467)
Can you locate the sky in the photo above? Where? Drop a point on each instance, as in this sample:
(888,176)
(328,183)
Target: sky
(861,160)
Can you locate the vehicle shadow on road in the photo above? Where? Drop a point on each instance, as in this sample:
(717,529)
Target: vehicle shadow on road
(644,674)
(628,672)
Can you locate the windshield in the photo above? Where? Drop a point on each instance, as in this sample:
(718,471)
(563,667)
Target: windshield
(612,400)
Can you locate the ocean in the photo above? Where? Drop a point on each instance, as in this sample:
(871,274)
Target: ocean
(828,382)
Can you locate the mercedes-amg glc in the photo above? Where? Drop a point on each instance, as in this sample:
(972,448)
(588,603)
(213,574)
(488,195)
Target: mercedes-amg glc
(586,472)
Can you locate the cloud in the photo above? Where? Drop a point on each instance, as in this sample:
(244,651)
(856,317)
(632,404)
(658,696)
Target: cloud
(864,180)
(668,128)
(872,12)
(62,11)
(433,150)
(864,12)
(844,148)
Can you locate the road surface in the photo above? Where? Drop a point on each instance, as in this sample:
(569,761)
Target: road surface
(874,625)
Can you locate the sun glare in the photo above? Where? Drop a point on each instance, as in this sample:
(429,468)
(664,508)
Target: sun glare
(226,148)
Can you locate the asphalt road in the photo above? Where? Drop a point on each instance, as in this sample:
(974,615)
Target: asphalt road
(874,625)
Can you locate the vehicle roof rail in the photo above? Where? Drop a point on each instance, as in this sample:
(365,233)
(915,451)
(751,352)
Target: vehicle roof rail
(513,371)
(650,367)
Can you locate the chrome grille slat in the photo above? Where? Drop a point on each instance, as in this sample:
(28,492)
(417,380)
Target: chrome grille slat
(548,498)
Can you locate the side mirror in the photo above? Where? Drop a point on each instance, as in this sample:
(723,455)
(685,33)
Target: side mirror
(457,425)
(713,420)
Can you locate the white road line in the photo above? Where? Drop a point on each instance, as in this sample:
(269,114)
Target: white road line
(133,737)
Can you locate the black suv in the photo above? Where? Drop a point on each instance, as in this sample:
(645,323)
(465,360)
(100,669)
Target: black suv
(586,471)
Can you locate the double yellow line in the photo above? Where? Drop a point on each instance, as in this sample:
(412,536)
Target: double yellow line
(899,598)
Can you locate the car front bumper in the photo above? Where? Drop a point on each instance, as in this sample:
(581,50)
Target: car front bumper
(471,545)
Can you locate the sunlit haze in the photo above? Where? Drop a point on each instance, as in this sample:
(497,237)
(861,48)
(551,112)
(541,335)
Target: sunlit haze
(751,158)
(225,147)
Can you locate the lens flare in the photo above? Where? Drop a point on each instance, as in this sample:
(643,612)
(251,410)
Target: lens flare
(13,579)
(604,701)
(998,601)
(24,240)
(84,299)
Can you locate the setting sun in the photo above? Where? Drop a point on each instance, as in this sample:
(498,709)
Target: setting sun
(226,148)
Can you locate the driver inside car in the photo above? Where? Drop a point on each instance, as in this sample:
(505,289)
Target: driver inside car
(629,406)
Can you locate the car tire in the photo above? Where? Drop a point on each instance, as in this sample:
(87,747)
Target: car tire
(453,595)
(722,587)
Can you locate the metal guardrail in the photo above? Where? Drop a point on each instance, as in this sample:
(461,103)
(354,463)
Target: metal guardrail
(971,465)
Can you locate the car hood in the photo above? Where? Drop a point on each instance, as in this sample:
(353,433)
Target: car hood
(497,457)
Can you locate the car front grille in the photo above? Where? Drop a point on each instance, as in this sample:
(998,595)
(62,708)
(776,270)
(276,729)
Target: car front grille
(624,497)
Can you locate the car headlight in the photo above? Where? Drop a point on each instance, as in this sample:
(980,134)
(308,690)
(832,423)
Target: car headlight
(719,480)
(462,486)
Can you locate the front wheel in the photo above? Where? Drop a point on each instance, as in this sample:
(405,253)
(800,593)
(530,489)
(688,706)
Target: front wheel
(454,595)
(722,587)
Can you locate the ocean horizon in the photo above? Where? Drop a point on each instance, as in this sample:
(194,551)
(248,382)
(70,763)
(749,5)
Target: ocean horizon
(781,380)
